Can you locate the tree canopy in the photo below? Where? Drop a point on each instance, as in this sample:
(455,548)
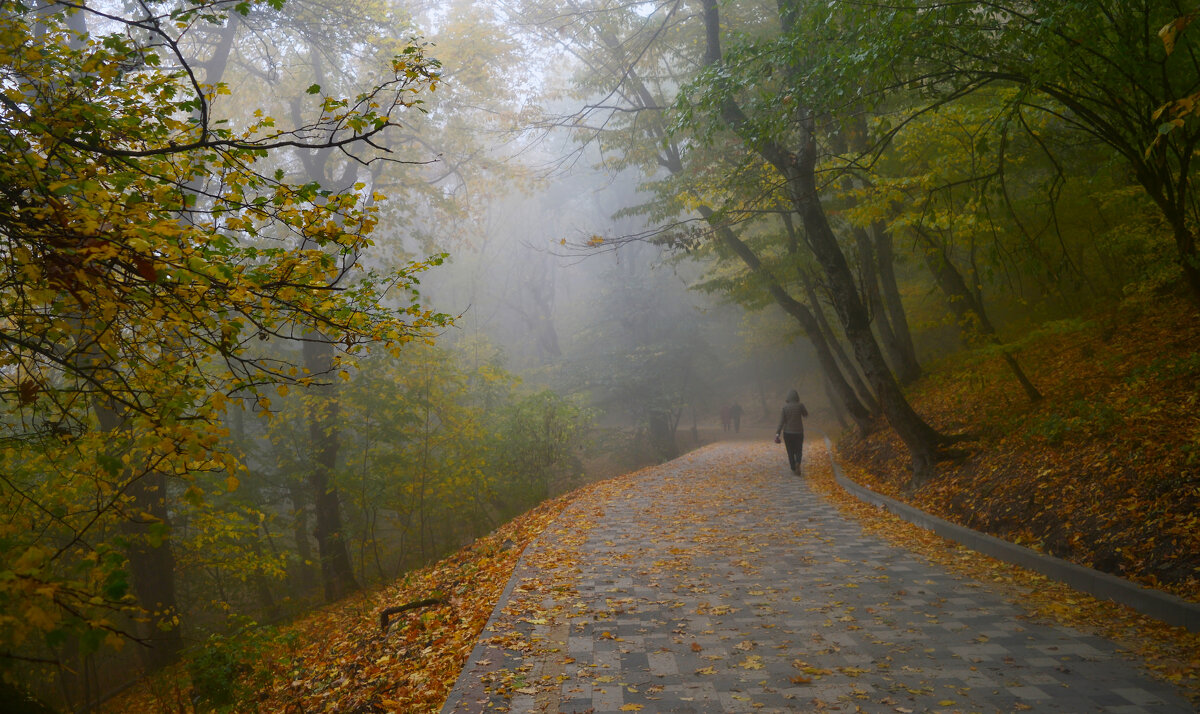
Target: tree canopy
(148,259)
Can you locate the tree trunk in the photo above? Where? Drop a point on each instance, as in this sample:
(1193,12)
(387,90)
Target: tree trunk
(1185,245)
(262,587)
(303,572)
(837,408)
(969,310)
(662,435)
(878,265)
(886,261)
(802,315)
(337,573)
(863,390)
(907,370)
(798,168)
(921,439)
(151,559)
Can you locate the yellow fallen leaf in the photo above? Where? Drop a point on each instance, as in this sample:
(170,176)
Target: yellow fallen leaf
(631,708)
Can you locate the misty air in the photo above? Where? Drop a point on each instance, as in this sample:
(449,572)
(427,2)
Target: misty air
(594,356)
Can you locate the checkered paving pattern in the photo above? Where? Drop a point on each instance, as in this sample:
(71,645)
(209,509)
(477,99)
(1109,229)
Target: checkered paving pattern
(720,583)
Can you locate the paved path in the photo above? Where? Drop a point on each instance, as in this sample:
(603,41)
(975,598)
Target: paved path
(720,583)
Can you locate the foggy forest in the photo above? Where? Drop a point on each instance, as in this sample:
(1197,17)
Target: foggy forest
(300,299)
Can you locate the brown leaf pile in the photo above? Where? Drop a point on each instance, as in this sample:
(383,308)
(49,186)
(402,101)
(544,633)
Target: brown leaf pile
(1104,471)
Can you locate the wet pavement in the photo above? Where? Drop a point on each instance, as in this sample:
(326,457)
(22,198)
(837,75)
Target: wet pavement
(720,582)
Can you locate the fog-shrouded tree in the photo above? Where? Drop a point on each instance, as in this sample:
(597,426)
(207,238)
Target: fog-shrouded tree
(148,252)
(1122,75)
(632,62)
(729,106)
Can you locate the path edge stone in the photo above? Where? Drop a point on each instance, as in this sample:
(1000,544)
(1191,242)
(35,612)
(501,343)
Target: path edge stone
(1162,606)
(482,649)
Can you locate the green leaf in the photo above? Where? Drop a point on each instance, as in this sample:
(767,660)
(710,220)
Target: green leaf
(110,463)
(90,641)
(117,585)
(314,89)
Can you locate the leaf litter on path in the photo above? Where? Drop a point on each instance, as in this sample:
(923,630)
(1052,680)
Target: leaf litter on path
(340,662)
(666,556)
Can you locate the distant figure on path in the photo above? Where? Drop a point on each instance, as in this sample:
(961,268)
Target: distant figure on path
(736,412)
(726,417)
(791,426)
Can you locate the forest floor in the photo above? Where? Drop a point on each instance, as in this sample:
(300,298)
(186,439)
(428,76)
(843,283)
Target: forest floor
(1103,471)
(340,659)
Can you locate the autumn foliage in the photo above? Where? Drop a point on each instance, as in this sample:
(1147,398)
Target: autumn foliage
(151,256)
(1105,471)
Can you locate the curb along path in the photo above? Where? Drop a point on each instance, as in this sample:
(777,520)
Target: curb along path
(720,583)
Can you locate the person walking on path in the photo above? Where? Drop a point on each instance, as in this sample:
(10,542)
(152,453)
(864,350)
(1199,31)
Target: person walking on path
(791,426)
(736,413)
(726,417)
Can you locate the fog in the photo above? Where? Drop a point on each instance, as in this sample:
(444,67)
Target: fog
(547,265)
(295,299)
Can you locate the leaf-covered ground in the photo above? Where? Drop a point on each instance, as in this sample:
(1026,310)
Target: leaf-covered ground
(1104,471)
(676,587)
(337,659)
(1171,653)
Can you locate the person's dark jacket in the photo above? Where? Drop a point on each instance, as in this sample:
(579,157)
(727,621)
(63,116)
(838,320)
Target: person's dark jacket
(791,420)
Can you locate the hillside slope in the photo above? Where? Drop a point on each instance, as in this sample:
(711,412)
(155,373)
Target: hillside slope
(1104,471)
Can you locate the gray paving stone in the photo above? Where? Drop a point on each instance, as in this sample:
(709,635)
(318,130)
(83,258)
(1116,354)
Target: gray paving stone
(720,583)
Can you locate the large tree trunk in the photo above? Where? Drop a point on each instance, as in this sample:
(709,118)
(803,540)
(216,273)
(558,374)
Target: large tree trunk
(879,276)
(904,363)
(921,439)
(798,168)
(885,259)
(831,337)
(337,573)
(802,315)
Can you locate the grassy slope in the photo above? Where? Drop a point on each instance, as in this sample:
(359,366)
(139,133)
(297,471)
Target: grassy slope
(1104,471)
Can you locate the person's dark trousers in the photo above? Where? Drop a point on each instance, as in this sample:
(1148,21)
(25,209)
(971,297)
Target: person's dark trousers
(794,443)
